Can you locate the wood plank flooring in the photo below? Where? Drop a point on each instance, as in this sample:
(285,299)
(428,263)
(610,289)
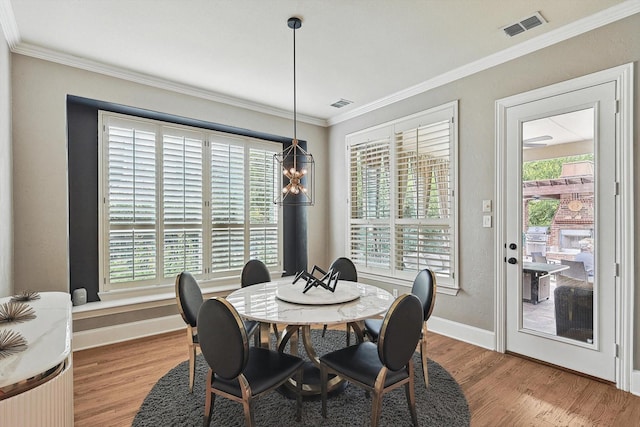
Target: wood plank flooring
(111,382)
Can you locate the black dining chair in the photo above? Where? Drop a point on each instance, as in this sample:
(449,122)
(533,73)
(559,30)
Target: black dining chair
(424,287)
(255,272)
(382,367)
(189,299)
(236,370)
(347,271)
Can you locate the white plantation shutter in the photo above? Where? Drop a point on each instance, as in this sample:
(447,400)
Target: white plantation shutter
(182,202)
(402,210)
(177,198)
(424,197)
(227,206)
(131,197)
(263,213)
(370,232)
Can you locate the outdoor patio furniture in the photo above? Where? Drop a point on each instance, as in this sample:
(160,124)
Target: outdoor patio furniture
(574,309)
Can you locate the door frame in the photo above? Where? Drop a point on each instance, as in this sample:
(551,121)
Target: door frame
(625,252)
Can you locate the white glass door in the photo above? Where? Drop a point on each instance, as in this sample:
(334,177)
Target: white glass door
(560,229)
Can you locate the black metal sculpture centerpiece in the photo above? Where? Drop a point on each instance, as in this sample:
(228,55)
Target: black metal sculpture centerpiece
(328,280)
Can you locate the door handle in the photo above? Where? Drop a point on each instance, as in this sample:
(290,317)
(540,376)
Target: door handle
(512,260)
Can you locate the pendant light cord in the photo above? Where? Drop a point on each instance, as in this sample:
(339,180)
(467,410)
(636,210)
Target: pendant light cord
(295,137)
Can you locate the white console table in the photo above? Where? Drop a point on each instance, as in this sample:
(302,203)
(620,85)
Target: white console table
(36,385)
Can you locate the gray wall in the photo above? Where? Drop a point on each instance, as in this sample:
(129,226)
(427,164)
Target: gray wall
(41,225)
(609,46)
(6,199)
(40,158)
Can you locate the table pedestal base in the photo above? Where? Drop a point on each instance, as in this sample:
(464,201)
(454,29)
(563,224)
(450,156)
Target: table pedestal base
(311,382)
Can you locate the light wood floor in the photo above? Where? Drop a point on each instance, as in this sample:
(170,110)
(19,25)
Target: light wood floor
(111,382)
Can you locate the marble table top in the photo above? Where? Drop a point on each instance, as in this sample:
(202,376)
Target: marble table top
(260,302)
(48,338)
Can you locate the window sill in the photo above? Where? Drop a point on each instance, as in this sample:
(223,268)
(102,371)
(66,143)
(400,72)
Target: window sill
(376,279)
(123,303)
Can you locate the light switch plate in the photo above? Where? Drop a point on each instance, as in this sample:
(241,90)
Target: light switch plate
(486,221)
(486,206)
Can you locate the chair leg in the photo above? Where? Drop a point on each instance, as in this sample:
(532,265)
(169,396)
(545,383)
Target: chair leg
(423,356)
(348,335)
(324,329)
(256,337)
(275,331)
(299,379)
(376,401)
(323,386)
(376,408)
(410,391)
(192,366)
(247,397)
(248,413)
(209,400)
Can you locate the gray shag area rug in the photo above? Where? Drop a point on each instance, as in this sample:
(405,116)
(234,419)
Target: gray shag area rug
(169,402)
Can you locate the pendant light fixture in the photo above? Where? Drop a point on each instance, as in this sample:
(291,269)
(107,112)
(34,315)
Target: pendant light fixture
(296,164)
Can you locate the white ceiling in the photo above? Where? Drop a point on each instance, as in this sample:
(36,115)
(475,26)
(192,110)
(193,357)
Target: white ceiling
(367,51)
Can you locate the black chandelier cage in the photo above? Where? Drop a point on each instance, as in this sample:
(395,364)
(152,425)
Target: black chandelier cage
(297,165)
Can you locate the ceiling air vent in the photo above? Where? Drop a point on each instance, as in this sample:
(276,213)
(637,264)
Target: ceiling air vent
(341,103)
(524,24)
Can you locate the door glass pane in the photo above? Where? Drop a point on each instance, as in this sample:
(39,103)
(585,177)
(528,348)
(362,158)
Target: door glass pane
(558,225)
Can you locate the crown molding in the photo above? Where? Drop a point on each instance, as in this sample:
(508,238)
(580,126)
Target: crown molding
(9,25)
(148,80)
(607,16)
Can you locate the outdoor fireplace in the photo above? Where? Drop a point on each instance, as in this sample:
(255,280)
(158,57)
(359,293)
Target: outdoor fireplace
(569,239)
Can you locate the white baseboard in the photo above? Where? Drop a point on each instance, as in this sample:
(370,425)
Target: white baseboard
(128,331)
(462,332)
(635,383)
(113,334)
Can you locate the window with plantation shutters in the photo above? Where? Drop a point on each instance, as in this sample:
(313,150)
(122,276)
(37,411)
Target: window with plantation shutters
(402,196)
(177,198)
(182,202)
(132,215)
(423,225)
(263,213)
(227,206)
(370,231)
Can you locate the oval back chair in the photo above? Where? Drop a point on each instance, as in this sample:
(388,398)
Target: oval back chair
(253,273)
(385,366)
(424,287)
(237,371)
(189,299)
(347,272)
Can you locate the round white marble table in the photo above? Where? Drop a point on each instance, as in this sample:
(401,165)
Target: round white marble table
(260,302)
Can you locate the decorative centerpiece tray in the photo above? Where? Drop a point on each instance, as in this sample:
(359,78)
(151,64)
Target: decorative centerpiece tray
(316,295)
